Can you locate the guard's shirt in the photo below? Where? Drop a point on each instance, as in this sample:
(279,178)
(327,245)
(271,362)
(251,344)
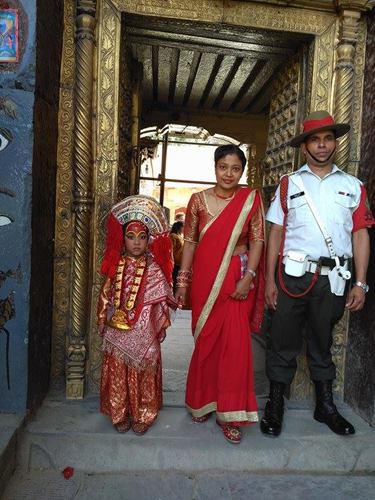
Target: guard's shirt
(341,202)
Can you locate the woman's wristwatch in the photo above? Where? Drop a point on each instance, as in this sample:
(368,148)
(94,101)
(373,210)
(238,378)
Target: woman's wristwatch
(364,286)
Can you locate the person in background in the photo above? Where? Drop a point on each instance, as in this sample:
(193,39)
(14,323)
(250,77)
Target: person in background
(180,217)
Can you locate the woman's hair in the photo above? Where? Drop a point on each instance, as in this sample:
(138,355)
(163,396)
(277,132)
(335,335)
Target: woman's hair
(177,226)
(230,149)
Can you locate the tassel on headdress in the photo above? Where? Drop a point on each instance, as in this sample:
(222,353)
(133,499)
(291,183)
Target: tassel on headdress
(114,245)
(161,249)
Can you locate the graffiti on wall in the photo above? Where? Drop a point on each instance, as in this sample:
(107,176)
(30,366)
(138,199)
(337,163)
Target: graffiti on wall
(9,35)
(7,309)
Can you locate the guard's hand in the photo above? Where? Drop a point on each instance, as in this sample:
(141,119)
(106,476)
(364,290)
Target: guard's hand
(162,335)
(243,286)
(271,293)
(101,329)
(180,296)
(356,299)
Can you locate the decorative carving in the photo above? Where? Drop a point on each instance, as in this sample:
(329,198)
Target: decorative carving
(286,105)
(202,10)
(64,227)
(254,168)
(323,70)
(345,79)
(356,119)
(75,370)
(276,18)
(106,159)
(82,197)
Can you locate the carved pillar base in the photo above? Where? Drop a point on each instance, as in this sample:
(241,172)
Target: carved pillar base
(75,379)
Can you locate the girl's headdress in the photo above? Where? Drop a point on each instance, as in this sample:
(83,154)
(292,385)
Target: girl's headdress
(150,213)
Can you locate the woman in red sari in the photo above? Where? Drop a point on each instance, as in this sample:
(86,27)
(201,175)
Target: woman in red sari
(224,255)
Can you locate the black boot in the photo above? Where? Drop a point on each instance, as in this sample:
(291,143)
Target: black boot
(326,411)
(271,423)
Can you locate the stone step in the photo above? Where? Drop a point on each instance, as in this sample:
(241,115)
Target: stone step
(75,434)
(9,430)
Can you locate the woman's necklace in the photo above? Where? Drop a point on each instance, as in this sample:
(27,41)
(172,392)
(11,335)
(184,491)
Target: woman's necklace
(225,198)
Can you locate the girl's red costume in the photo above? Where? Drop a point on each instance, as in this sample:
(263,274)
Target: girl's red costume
(131,382)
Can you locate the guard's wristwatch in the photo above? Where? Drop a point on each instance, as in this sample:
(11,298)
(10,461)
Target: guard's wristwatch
(364,287)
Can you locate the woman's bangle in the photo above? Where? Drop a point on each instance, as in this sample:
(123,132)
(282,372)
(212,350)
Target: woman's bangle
(253,273)
(183,278)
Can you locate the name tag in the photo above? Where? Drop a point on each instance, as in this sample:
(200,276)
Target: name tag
(343,193)
(297,195)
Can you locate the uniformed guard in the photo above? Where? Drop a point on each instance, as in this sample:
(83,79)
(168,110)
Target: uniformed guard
(319,219)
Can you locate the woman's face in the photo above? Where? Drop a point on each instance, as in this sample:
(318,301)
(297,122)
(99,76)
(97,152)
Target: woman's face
(228,172)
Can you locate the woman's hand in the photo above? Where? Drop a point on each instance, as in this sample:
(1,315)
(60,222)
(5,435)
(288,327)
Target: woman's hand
(243,287)
(180,296)
(101,329)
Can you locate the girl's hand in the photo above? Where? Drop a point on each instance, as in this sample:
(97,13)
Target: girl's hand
(243,287)
(162,335)
(101,329)
(180,296)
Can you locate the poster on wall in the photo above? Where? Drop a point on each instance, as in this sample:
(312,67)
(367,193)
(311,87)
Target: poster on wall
(9,35)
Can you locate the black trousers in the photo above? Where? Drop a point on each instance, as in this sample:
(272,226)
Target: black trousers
(319,310)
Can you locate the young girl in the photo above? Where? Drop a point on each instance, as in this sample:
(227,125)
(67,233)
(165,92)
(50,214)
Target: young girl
(133,312)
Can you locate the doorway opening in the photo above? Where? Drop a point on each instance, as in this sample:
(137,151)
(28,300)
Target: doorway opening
(204,85)
(177,161)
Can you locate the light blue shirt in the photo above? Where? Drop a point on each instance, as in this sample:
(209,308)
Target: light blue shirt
(336,197)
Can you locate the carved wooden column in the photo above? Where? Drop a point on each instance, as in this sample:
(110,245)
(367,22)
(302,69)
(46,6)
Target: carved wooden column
(345,78)
(82,198)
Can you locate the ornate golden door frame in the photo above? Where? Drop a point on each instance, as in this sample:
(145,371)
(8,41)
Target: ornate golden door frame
(90,139)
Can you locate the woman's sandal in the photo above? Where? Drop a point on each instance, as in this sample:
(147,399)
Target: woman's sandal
(201,420)
(123,426)
(139,428)
(231,433)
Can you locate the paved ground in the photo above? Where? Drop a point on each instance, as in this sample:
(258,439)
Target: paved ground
(50,485)
(178,348)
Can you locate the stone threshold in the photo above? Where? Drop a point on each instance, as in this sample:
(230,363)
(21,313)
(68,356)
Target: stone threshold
(75,434)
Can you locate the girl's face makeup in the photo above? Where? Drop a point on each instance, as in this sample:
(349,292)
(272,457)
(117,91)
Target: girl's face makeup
(136,239)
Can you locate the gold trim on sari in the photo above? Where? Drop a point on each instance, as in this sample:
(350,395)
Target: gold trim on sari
(224,264)
(228,416)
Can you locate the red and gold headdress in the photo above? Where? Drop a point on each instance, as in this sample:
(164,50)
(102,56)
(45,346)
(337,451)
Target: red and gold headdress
(146,211)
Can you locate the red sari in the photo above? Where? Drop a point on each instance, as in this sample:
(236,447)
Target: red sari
(221,370)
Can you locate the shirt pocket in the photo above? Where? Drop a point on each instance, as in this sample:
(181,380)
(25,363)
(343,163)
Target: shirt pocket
(343,209)
(298,212)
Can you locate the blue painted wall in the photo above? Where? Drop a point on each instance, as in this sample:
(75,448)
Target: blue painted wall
(17,85)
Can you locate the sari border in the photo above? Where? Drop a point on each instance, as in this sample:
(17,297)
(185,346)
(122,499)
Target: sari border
(207,308)
(227,416)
